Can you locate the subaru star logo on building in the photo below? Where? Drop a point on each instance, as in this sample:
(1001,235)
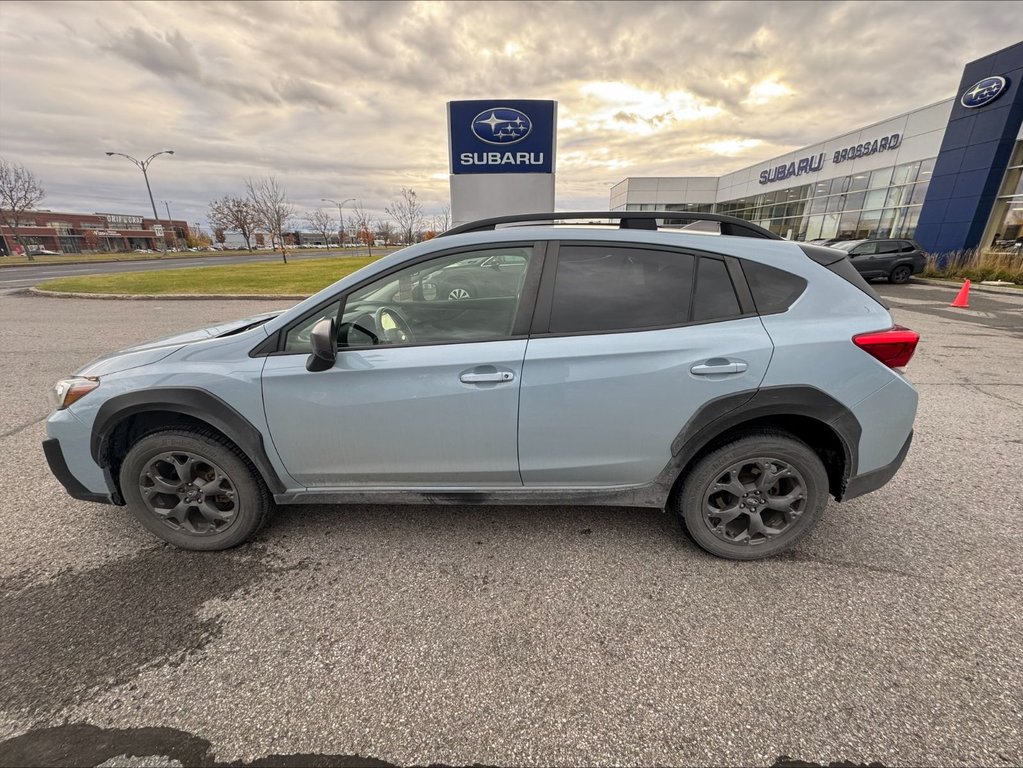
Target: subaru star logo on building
(984,92)
(501,125)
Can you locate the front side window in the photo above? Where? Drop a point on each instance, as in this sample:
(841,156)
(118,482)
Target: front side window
(864,249)
(605,288)
(468,296)
(299,338)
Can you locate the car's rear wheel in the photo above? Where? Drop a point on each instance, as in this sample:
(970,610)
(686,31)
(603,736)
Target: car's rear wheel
(900,274)
(193,489)
(754,497)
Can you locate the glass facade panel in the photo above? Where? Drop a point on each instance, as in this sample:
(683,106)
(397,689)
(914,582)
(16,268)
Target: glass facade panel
(858,182)
(919,193)
(868,224)
(906,174)
(899,196)
(839,185)
(909,223)
(847,225)
(875,198)
(884,227)
(813,227)
(829,228)
(853,201)
(881,178)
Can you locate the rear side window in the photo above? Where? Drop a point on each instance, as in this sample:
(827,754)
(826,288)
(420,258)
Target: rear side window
(606,288)
(715,297)
(888,246)
(774,290)
(906,247)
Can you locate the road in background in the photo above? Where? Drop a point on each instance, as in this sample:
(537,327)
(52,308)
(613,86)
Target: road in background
(518,635)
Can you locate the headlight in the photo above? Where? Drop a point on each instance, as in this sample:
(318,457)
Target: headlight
(70,390)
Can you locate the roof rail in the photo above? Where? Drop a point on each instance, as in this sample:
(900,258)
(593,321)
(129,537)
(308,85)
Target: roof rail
(730,225)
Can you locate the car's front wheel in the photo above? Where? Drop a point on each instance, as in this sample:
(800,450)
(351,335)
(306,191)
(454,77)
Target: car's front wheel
(900,274)
(193,489)
(754,497)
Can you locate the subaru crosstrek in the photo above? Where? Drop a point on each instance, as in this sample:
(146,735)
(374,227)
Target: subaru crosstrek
(736,379)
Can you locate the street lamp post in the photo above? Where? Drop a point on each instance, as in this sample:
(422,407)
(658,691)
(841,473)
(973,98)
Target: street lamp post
(143,165)
(340,219)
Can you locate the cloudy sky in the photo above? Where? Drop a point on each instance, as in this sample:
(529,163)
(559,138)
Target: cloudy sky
(348,99)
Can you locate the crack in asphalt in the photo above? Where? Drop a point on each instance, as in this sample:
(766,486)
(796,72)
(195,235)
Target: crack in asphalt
(26,425)
(88,631)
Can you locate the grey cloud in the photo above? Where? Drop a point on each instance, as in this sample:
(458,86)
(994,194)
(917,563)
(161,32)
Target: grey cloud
(167,54)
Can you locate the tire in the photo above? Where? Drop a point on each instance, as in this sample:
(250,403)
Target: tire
(801,484)
(900,274)
(167,470)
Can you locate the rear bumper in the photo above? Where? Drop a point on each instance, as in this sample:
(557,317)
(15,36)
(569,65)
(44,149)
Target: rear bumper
(871,481)
(59,468)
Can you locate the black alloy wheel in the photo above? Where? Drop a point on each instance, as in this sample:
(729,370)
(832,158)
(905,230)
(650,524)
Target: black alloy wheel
(753,497)
(900,274)
(194,489)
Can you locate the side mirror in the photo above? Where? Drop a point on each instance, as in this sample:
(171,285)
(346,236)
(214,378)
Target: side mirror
(324,341)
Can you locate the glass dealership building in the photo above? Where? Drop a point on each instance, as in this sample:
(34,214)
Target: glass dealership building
(948,174)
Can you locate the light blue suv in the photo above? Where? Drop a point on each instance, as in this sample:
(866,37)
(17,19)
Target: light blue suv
(732,377)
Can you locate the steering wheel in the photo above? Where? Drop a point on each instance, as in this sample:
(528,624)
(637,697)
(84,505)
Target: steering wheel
(397,331)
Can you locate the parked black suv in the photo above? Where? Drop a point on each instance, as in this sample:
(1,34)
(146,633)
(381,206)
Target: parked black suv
(898,260)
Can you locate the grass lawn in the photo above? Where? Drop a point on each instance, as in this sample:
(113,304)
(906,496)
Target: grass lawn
(299,278)
(85,258)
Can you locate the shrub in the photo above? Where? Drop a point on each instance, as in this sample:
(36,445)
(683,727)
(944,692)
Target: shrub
(976,265)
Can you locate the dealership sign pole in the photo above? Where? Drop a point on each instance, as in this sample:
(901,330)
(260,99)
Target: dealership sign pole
(502,157)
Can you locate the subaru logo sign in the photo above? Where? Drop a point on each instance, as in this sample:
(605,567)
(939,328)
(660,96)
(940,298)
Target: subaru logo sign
(984,92)
(501,125)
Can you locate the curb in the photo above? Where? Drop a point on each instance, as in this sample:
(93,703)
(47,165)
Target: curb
(168,296)
(956,284)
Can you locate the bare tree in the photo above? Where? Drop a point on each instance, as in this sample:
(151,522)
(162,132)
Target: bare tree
(234,214)
(20,191)
(363,226)
(323,223)
(270,199)
(443,219)
(407,213)
(385,231)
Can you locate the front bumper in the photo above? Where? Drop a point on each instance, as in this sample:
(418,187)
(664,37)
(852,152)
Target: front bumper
(871,481)
(59,468)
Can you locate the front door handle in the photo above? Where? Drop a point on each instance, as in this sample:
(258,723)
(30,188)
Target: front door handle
(484,378)
(714,367)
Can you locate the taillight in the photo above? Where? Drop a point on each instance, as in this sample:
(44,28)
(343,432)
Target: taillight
(894,347)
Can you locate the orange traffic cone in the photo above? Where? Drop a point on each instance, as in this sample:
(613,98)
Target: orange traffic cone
(962,301)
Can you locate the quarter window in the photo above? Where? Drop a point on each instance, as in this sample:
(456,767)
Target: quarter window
(602,288)
(715,297)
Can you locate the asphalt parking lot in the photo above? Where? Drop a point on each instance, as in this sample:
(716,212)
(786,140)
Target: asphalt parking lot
(523,636)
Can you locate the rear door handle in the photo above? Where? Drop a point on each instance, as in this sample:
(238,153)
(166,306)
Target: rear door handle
(709,369)
(483,378)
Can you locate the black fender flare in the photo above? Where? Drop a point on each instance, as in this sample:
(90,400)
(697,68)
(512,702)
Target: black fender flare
(722,414)
(189,401)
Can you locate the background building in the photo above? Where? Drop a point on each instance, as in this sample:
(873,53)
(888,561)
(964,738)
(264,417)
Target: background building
(948,174)
(83,232)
